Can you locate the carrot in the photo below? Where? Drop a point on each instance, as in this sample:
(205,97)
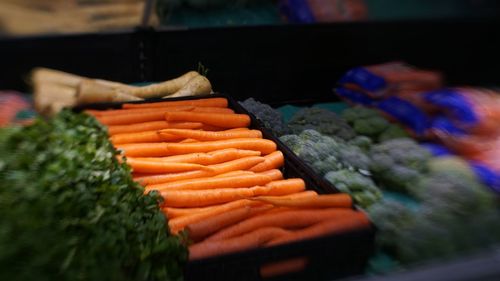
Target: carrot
(188,141)
(340,200)
(235,173)
(209,102)
(289,219)
(214,119)
(201,229)
(138,117)
(287,266)
(212,136)
(151,126)
(280,187)
(177,224)
(217,169)
(263,145)
(144,149)
(100,113)
(272,161)
(141,166)
(213,183)
(210,158)
(213,110)
(201,198)
(207,127)
(146,136)
(274,174)
(355,220)
(114,112)
(247,241)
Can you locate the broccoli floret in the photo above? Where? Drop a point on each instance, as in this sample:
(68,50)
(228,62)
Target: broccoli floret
(392,132)
(362,142)
(331,163)
(390,217)
(361,188)
(270,117)
(292,141)
(365,121)
(321,120)
(451,163)
(353,157)
(397,163)
(457,214)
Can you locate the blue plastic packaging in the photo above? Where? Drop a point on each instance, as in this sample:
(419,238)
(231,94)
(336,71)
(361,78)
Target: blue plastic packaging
(487,176)
(407,114)
(297,11)
(354,97)
(436,150)
(365,79)
(457,105)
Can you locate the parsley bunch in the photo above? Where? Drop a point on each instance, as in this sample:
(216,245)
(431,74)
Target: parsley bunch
(70,211)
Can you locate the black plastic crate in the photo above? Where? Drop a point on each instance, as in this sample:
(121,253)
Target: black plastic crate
(324,258)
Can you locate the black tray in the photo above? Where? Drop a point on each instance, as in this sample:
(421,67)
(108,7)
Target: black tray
(330,257)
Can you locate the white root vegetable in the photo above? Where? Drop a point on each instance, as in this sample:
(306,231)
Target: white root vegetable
(46,75)
(197,86)
(163,88)
(91,92)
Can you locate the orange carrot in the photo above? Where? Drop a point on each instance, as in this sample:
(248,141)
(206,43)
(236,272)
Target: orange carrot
(222,110)
(141,166)
(173,212)
(203,228)
(146,136)
(217,169)
(209,102)
(211,128)
(200,198)
(280,187)
(213,183)
(99,113)
(287,266)
(214,119)
(177,224)
(139,117)
(114,112)
(263,145)
(210,158)
(212,136)
(247,241)
(151,126)
(144,149)
(355,220)
(274,174)
(188,141)
(340,200)
(272,161)
(235,173)
(289,219)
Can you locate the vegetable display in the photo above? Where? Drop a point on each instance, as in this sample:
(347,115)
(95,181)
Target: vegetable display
(223,177)
(69,210)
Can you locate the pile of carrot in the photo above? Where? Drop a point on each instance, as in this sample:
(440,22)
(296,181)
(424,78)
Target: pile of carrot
(220,180)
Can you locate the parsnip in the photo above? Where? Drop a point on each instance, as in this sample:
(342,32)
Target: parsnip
(90,92)
(164,88)
(197,86)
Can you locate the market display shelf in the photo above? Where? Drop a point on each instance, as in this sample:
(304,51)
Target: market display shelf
(325,258)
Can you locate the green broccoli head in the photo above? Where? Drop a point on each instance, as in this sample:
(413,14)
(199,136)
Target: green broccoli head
(362,189)
(331,163)
(390,217)
(392,132)
(321,120)
(352,114)
(362,142)
(353,157)
(397,163)
(371,126)
(451,163)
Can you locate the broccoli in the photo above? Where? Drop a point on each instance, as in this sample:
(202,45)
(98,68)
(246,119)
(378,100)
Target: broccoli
(365,121)
(451,163)
(457,214)
(321,120)
(270,117)
(392,132)
(331,163)
(390,217)
(362,142)
(396,163)
(362,189)
(354,158)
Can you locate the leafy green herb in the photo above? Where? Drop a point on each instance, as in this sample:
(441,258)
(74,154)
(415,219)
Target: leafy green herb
(70,211)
